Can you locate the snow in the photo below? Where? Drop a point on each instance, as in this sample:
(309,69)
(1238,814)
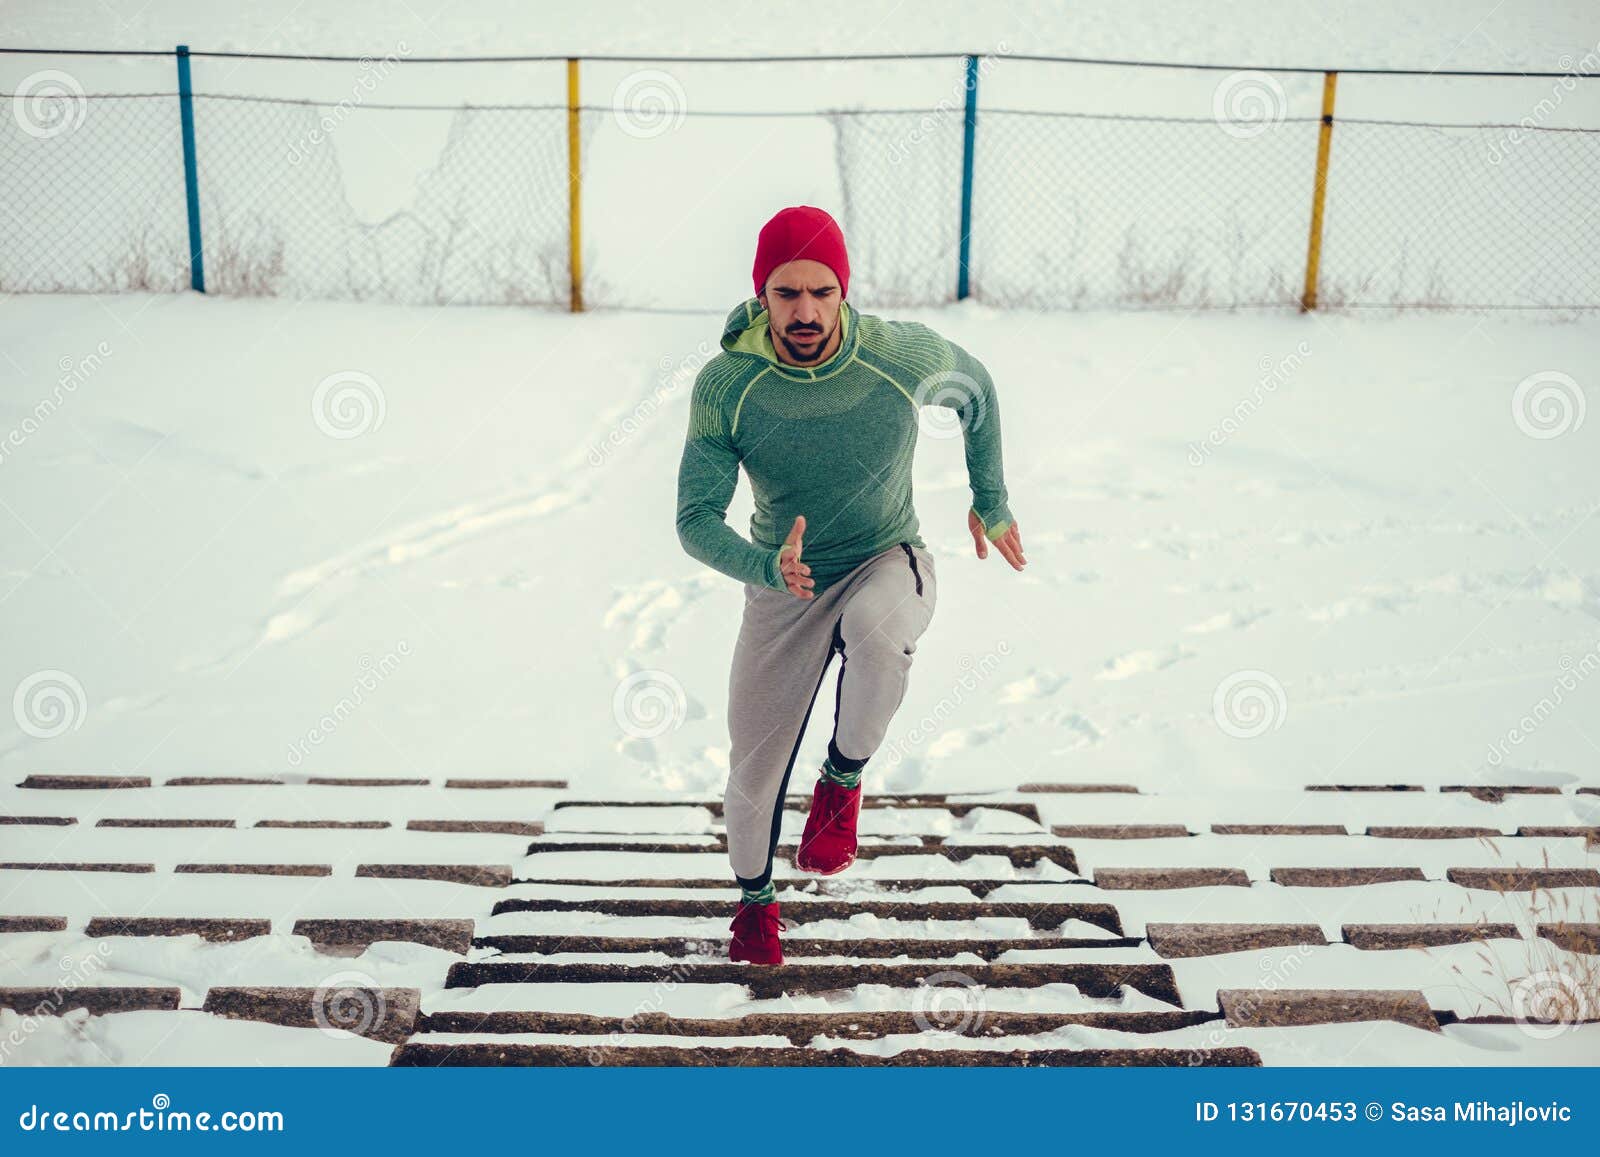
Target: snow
(185,1039)
(1375,576)
(485,590)
(194,964)
(199,1037)
(219,576)
(1477,34)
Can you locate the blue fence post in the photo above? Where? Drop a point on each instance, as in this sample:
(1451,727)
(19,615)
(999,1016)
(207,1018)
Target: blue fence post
(963,286)
(191,180)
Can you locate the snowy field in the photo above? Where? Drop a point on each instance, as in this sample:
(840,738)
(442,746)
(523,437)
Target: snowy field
(1405,568)
(1264,551)
(283,538)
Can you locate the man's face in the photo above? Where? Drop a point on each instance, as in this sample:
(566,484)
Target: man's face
(802,302)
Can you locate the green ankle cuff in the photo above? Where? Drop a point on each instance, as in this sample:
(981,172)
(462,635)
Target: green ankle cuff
(766,895)
(842,778)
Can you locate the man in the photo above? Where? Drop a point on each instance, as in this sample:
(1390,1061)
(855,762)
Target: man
(821,405)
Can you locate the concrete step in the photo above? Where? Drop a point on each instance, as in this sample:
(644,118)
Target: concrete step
(73,866)
(957,806)
(215,929)
(1039,915)
(1149,879)
(386,1014)
(1275,1008)
(797,888)
(1092,980)
(334,937)
(84,782)
(867,949)
(424,1055)
(1354,811)
(479,875)
(479,827)
(1582,938)
(1524,879)
(1385,937)
(98,999)
(803,1027)
(353,937)
(1080,788)
(256,869)
(1342,877)
(1120,831)
(1183,940)
(1023,855)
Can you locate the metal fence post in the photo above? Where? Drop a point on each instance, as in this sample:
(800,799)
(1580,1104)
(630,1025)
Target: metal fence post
(574,184)
(963,280)
(1319,192)
(191,179)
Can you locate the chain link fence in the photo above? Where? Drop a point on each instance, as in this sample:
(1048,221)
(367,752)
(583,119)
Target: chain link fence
(1067,210)
(102,208)
(1072,211)
(91,203)
(1462,215)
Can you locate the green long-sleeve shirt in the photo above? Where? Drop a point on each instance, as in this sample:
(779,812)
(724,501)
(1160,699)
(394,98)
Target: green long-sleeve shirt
(833,442)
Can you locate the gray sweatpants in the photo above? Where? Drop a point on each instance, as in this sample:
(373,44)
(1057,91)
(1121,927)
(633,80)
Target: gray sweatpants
(872,618)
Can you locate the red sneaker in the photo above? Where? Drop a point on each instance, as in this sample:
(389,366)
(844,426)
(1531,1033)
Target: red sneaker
(828,845)
(755,934)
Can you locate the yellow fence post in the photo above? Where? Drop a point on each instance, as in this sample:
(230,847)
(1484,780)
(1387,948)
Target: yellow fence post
(574,184)
(1308,299)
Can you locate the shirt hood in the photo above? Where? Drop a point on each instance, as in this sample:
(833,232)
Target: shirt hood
(747,332)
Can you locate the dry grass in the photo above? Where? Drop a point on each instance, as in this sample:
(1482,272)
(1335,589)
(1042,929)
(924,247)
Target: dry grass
(1546,989)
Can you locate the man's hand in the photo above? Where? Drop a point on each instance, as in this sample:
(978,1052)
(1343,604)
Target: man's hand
(796,574)
(1009,544)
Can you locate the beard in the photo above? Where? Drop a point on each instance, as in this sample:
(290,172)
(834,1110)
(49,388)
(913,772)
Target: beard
(802,353)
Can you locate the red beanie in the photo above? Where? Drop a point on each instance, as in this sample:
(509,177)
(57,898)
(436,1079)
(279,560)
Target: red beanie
(801,232)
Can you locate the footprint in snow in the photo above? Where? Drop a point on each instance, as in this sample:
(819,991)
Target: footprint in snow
(1035,685)
(1140,662)
(1226,621)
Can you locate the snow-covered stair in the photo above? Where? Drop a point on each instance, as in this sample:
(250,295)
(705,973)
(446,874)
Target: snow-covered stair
(513,922)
